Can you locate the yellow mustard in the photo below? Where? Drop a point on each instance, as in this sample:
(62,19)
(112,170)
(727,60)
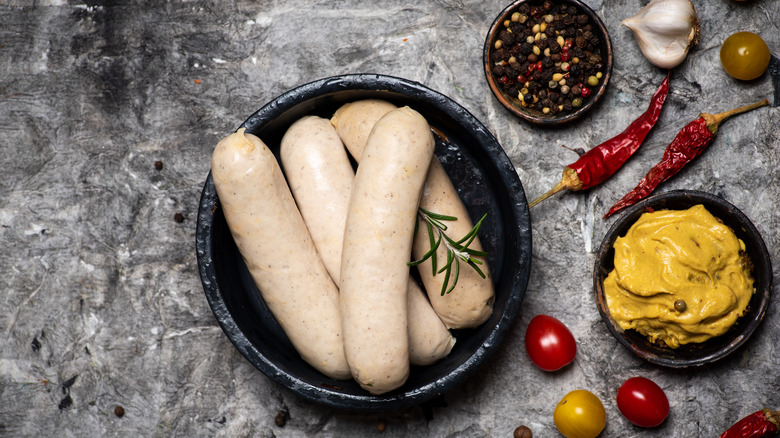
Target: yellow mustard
(681,276)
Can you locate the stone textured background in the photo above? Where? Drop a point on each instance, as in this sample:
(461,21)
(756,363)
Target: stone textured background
(101,301)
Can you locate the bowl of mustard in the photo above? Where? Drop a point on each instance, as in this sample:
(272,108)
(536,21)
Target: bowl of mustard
(683,279)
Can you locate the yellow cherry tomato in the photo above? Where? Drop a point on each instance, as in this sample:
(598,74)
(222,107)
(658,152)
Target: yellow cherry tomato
(744,55)
(580,414)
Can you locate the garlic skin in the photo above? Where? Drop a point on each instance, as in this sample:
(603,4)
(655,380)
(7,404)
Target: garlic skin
(665,30)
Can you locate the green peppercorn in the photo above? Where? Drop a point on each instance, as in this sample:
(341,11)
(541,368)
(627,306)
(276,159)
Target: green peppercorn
(593,81)
(576,102)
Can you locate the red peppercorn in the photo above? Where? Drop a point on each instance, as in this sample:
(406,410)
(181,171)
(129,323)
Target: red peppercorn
(585,92)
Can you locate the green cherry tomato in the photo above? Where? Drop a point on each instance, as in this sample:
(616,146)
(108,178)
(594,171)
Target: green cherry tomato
(744,55)
(580,414)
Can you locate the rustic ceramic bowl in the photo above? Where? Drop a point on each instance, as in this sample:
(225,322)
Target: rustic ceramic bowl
(715,348)
(486,181)
(511,102)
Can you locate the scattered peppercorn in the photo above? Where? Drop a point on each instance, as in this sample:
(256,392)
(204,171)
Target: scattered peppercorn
(119,411)
(178,217)
(280,419)
(545,47)
(523,432)
(158,165)
(380,427)
(680,306)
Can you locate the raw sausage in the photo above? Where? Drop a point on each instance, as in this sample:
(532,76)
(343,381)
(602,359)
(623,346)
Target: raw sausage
(273,240)
(354,121)
(320,175)
(377,246)
(471,302)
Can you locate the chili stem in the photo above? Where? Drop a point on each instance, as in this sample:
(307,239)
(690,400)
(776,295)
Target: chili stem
(570,181)
(714,120)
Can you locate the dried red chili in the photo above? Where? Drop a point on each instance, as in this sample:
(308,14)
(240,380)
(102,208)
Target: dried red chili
(601,162)
(688,144)
(761,424)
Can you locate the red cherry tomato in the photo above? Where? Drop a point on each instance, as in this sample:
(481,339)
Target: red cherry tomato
(642,402)
(549,343)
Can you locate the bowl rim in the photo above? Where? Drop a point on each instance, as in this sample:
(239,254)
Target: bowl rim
(541,119)
(516,288)
(738,334)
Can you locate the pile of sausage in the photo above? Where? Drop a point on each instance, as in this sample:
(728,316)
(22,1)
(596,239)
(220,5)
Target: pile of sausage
(328,246)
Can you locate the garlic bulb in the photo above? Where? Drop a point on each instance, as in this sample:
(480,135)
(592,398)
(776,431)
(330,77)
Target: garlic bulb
(665,30)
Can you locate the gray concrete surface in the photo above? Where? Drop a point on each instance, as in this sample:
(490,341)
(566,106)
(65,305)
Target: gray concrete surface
(101,301)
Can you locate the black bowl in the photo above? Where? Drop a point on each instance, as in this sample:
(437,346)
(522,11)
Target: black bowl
(716,348)
(486,181)
(511,102)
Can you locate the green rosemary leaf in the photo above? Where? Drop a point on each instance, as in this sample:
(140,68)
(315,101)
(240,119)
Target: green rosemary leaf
(473,264)
(436,223)
(469,237)
(477,261)
(446,270)
(438,216)
(431,252)
(474,252)
(434,247)
(455,278)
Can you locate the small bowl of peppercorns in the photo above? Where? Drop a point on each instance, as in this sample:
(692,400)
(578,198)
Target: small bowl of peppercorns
(548,61)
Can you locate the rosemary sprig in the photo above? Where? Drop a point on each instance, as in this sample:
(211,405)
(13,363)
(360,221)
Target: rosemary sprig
(457,251)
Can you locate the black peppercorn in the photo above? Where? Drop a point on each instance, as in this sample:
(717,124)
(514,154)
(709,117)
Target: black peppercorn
(158,165)
(506,37)
(497,55)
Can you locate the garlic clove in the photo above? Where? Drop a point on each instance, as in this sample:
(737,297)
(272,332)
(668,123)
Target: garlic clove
(665,30)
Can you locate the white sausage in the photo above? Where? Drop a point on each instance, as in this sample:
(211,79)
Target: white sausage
(471,302)
(273,240)
(377,247)
(320,175)
(429,338)
(354,121)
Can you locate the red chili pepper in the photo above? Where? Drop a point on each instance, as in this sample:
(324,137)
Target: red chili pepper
(601,162)
(761,424)
(688,144)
